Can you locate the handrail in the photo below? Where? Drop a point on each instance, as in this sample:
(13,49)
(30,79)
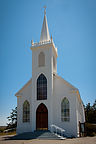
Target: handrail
(56,129)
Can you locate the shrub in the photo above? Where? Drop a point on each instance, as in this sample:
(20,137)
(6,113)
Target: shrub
(90,129)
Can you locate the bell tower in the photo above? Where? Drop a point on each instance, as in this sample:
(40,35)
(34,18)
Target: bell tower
(44,64)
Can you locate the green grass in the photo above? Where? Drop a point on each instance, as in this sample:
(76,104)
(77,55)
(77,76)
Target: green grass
(8,133)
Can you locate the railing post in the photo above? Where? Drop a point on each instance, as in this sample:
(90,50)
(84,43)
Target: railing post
(56,128)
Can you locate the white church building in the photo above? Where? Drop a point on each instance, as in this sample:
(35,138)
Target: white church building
(47,99)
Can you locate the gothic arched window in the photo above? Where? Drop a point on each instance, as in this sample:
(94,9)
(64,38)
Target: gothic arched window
(41,59)
(65,111)
(41,87)
(26,111)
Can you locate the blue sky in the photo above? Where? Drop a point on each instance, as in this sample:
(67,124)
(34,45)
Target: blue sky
(72,24)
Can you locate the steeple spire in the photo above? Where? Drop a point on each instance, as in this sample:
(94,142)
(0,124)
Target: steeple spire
(44,10)
(44,32)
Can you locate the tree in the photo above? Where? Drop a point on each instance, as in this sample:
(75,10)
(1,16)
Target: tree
(12,119)
(94,105)
(94,112)
(90,113)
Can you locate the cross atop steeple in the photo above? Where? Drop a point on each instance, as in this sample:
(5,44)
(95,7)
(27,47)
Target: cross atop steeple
(44,10)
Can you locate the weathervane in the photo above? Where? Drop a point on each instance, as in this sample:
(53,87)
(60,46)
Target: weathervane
(44,10)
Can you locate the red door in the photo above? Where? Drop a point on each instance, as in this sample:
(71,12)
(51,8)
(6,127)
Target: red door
(42,117)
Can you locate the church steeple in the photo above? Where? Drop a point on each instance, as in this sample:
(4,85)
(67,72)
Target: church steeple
(44,32)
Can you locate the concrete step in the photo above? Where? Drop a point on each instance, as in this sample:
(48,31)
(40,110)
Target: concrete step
(46,135)
(37,135)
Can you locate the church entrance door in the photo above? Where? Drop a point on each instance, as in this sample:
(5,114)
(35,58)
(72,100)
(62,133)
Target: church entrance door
(42,117)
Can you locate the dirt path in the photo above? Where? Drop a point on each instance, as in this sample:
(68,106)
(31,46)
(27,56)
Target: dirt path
(85,140)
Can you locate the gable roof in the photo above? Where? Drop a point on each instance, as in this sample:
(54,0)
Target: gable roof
(20,91)
(55,75)
(73,88)
(65,82)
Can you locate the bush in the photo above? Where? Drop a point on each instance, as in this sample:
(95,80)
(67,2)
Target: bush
(90,129)
(2,128)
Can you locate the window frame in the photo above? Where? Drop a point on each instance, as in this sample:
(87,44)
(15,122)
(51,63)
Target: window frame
(41,87)
(26,111)
(41,59)
(65,110)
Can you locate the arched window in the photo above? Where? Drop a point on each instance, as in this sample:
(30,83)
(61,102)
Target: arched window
(65,111)
(26,111)
(41,87)
(41,59)
(54,64)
